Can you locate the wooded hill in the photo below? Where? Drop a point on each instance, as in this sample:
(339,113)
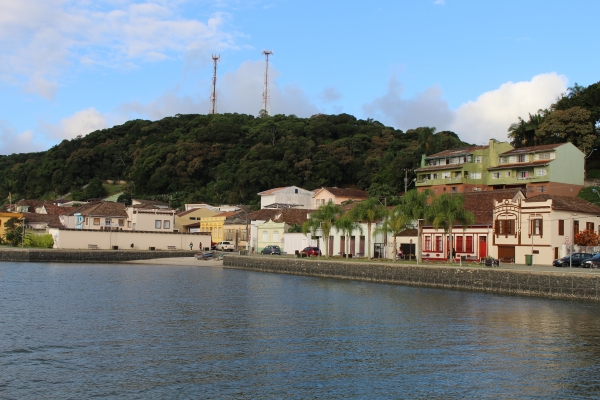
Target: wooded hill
(227,158)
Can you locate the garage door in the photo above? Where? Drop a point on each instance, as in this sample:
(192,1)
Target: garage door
(506,252)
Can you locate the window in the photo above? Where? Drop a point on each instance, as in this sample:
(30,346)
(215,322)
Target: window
(244,235)
(537,227)
(477,189)
(157,224)
(265,236)
(121,222)
(546,156)
(438,243)
(541,172)
(495,175)
(445,175)
(478,160)
(295,190)
(505,227)
(96,221)
(523,175)
(275,236)
(435,176)
(589,226)
(530,189)
(561,227)
(469,244)
(166,224)
(507,174)
(107,221)
(503,160)
(454,189)
(541,189)
(427,243)
(129,224)
(522,158)
(475,175)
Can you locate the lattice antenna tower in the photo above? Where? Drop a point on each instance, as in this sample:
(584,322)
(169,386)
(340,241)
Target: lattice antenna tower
(213,95)
(266,97)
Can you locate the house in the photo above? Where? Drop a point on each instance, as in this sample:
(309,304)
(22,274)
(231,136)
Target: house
(96,216)
(40,223)
(286,197)
(49,207)
(189,220)
(542,225)
(222,208)
(236,229)
(554,168)
(476,241)
(154,203)
(215,225)
(271,227)
(25,206)
(4,217)
(337,195)
(150,217)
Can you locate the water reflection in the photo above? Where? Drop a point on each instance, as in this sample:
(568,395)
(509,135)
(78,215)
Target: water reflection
(151,331)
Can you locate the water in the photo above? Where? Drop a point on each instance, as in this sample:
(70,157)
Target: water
(141,331)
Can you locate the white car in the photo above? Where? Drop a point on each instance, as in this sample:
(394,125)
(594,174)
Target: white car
(224,246)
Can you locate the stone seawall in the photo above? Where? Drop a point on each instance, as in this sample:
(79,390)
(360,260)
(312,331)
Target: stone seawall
(529,283)
(87,256)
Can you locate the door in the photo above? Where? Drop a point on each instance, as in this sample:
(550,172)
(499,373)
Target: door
(330,250)
(506,253)
(342,245)
(361,246)
(352,245)
(482,246)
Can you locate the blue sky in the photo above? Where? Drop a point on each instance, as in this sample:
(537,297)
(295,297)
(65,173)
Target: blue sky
(70,67)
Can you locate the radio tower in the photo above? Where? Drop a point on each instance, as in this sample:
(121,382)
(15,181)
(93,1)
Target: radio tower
(265,93)
(213,96)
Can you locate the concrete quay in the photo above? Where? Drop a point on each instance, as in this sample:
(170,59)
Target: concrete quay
(537,281)
(87,256)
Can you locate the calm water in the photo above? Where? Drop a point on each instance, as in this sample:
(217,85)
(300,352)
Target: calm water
(137,331)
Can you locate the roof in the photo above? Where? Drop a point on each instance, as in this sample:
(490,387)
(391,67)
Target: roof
(521,165)
(288,215)
(439,167)
(101,209)
(51,219)
(153,202)
(566,203)
(271,191)
(533,149)
(351,193)
(194,225)
(408,233)
(457,152)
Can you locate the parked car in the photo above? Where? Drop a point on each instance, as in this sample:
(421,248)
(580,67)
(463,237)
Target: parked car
(593,262)
(270,249)
(224,246)
(213,245)
(576,261)
(311,251)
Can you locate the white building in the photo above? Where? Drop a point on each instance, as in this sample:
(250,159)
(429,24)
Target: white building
(286,197)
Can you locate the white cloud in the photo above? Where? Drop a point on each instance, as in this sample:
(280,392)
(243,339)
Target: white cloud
(38,40)
(80,123)
(424,109)
(13,142)
(492,113)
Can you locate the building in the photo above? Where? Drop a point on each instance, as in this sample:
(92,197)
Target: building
(337,195)
(555,168)
(215,225)
(543,225)
(4,217)
(189,220)
(150,217)
(236,229)
(273,227)
(97,216)
(286,197)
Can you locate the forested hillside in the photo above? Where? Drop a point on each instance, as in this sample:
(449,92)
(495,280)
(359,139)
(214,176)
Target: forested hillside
(226,158)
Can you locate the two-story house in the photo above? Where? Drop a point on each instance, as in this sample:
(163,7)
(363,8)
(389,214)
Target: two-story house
(101,215)
(286,197)
(554,168)
(337,196)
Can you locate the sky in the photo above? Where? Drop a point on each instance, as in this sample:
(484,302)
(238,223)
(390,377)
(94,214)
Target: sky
(68,68)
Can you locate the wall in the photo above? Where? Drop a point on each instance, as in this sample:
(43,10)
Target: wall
(80,239)
(540,284)
(88,256)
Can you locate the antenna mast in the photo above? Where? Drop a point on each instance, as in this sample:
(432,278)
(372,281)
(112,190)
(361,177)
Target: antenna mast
(213,96)
(265,93)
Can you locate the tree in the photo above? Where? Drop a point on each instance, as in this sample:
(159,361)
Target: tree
(13,233)
(396,222)
(573,125)
(415,205)
(94,189)
(448,209)
(323,218)
(586,238)
(368,211)
(346,226)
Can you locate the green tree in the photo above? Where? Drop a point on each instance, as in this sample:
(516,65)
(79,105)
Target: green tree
(346,225)
(94,189)
(396,222)
(448,209)
(323,218)
(13,233)
(572,125)
(415,205)
(369,211)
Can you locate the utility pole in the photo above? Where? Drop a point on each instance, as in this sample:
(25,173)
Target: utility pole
(406,179)
(213,96)
(265,93)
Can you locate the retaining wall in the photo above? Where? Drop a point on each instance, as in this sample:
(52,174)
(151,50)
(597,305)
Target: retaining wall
(530,283)
(87,256)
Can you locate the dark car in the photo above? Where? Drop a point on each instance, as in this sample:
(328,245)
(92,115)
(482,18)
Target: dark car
(593,262)
(311,251)
(271,250)
(576,261)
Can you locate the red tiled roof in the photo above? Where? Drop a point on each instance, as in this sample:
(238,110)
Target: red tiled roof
(351,193)
(521,165)
(288,215)
(51,219)
(271,191)
(566,203)
(533,149)
(101,209)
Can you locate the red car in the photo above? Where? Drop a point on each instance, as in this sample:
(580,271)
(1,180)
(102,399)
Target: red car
(311,251)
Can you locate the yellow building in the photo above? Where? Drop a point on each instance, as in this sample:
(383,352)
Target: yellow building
(186,221)
(4,217)
(215,225)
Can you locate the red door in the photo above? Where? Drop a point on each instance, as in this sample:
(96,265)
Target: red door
(482,246)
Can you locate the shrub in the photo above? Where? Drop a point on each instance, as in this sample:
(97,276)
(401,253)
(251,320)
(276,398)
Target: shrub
(45,241)
(586,238)
(593,174)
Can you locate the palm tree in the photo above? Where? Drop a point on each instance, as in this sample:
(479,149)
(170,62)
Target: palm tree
(414,205)
(368,211)
(396,222)
(346,226)
(323,218)
(447,209)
